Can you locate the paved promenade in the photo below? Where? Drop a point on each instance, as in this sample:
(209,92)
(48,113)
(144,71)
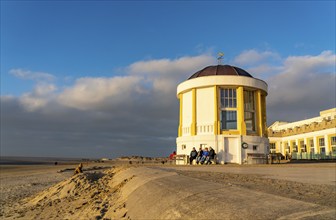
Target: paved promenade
(314,173)
(164,193)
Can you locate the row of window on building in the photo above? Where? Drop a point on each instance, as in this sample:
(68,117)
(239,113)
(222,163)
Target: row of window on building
(303,148)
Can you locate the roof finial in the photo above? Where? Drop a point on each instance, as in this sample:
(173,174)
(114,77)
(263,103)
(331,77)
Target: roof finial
(220,58)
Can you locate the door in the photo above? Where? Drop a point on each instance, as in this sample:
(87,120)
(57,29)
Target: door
(230,150)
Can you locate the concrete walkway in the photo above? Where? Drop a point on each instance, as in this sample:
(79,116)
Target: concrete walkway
(156,193)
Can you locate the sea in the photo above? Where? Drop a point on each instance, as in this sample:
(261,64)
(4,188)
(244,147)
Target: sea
(11,160)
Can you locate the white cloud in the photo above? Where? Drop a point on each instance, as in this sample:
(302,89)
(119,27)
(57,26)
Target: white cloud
(165,74)
(32,103)
(251,57)
(91,93)
(297,65)
(181,65)
(144,79)
(30,75)
(305,84)
(145,84)
(264,70)
(39,97)
(43,89)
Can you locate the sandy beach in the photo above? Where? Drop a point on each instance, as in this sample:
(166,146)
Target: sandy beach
(156,191)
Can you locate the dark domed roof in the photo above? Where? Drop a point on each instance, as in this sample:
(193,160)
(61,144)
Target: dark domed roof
(220,70)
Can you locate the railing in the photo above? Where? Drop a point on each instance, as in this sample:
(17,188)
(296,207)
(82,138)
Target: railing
(205,129)
(312,156)
(186,131)
(200,129)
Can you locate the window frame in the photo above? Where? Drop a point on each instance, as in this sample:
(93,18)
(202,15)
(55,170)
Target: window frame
(321,142)
(333,140)
(228,104)
(250,109)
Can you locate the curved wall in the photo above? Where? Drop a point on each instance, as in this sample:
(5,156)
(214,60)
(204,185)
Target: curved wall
(207,81)
(200,117)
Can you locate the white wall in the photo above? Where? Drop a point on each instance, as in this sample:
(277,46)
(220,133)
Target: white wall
(205,115)
(232,153)
(186,113)
(324,132)
(327,114)
(222,81)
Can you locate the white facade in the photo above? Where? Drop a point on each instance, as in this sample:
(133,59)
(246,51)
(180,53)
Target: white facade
(306,138)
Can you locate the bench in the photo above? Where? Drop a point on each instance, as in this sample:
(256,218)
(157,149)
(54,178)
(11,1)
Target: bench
(213,161)
(181,159)
(256,158)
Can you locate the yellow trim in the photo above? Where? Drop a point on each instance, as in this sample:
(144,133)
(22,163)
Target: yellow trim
(216,129)
(328,111)
(275,144)
(299,146)
(307,141)
(263,114)
(231,132)
(292,144)
(316,147)
(240,111)
(286,145)
(318,140)
(181,114)
(259,120)
(329,140)
(318,143)
(193,123)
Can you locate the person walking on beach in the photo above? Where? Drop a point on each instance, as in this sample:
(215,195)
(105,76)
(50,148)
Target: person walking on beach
(193,155)
(199,155)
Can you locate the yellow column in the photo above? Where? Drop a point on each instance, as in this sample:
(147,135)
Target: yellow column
(316,147)
(193,123)
(329,142)
(240,111)
(263,114)
(181,113)
(326,144)
(291,146)
(306,140)
(259,109)
(216,110)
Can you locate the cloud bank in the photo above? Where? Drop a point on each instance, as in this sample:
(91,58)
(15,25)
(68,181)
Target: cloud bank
(131,114)
(136,112)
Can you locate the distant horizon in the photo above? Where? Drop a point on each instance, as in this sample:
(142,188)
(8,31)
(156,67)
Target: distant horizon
(70,158)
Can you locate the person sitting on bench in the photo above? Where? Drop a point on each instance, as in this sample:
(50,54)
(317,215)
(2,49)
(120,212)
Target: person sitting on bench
(205,156)
(211,157)
(199,155)
(193,155)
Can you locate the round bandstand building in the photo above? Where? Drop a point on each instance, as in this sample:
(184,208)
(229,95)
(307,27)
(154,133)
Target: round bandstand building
(223,107)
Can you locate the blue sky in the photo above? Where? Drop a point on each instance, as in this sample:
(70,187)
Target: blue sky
(96,37)
(51,50)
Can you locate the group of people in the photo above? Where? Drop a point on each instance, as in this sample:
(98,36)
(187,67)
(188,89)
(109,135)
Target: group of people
(205,156)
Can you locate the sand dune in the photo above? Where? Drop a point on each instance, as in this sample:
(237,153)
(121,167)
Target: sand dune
(83,196)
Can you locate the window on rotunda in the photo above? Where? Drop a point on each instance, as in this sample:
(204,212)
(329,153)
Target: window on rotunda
(249,111)
(228,99)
